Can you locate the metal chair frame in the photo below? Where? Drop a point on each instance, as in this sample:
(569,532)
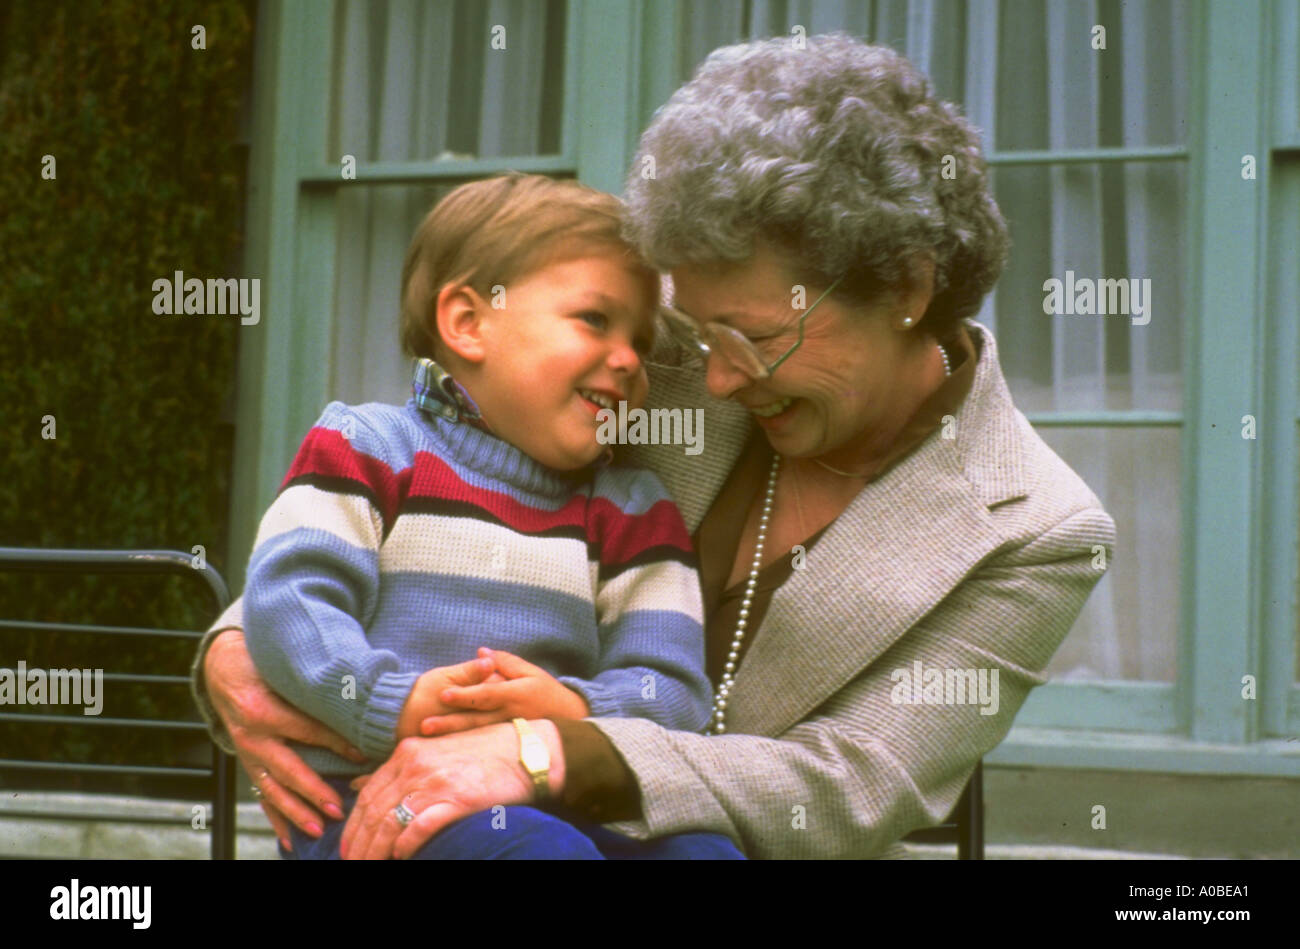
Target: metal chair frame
(221,776)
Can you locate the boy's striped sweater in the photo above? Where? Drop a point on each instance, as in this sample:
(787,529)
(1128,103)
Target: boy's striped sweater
(401,540)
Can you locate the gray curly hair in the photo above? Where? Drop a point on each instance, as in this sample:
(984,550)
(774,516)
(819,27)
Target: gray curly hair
(834,152)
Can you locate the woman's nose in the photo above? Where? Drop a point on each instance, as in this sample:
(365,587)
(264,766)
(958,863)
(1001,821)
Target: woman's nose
(722,378)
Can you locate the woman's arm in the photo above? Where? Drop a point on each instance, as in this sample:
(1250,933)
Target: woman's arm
(231,619)
(251,722)
(864,770)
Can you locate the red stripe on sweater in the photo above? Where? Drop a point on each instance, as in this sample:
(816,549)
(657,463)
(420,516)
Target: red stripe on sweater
(620,537)
(625,536)
(326,453)
(434,478)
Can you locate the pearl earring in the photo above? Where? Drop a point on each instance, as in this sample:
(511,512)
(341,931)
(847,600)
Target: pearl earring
(907,321)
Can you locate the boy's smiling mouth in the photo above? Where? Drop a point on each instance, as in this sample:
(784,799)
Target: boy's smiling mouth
(600,400)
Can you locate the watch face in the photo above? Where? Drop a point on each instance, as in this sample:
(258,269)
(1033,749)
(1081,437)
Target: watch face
(534,755)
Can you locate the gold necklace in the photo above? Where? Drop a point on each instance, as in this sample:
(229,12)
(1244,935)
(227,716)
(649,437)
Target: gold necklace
(847,474)
(798,501)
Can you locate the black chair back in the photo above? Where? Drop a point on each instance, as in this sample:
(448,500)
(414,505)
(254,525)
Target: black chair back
(215,784)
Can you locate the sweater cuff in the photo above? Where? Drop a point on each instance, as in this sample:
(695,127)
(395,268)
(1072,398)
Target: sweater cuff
(379,723)
(598,784)
(232,618)
(601,702)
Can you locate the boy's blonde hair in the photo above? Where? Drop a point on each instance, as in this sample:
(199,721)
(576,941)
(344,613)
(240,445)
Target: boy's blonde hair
(498,230)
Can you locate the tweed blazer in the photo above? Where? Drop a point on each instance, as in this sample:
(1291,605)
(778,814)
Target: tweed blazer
(973,552)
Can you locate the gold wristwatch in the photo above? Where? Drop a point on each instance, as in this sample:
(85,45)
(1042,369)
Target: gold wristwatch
(535,757)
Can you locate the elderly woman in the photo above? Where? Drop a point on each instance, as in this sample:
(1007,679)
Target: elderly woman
(874,519)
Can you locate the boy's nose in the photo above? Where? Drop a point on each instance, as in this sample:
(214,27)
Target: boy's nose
(623,356)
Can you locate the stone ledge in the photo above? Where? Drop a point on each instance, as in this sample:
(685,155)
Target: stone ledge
(97,827)
(1020,804)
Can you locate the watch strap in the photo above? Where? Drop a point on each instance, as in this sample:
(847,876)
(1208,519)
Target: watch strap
(535,757)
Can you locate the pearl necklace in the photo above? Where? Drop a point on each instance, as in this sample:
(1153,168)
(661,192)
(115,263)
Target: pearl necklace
(718,724)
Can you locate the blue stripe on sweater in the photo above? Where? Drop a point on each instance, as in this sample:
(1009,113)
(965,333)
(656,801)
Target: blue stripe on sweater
(323,563)
(436,619)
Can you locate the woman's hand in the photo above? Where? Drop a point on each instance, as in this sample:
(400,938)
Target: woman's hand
(442,780)
(260,722)
(520,690)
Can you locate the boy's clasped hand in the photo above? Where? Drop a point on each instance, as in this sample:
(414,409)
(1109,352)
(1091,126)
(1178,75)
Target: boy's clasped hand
(494,687)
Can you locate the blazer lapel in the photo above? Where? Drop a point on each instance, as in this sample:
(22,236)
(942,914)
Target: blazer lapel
(906,541)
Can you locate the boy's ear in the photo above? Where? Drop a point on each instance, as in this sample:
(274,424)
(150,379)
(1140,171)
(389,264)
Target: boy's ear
(458,313)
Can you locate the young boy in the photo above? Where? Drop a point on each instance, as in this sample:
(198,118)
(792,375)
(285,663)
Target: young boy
(484,512)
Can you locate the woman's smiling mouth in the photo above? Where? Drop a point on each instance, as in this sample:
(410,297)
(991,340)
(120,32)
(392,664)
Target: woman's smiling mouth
(772,408)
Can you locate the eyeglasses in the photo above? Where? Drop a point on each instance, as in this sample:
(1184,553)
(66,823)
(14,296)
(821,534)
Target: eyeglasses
(729,342)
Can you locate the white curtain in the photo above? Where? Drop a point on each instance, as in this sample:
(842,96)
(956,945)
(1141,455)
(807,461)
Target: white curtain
(1111,220)
(411,86)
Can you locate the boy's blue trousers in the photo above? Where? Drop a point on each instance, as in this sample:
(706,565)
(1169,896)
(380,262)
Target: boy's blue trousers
(522,833)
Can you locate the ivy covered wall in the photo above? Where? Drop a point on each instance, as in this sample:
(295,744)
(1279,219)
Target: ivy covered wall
(121,163)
